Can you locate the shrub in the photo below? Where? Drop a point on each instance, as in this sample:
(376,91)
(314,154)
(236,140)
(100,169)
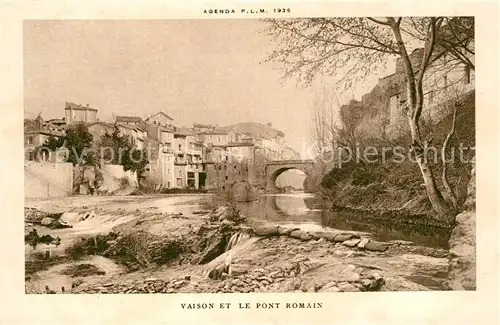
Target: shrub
(95,245)
(362,176)
(81,270)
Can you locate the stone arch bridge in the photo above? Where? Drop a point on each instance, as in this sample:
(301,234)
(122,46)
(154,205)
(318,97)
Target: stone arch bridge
(276,168)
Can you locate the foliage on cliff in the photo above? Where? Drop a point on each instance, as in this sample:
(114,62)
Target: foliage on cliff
(390,185)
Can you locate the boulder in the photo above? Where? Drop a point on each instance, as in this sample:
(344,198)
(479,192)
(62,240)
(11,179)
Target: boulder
(317,234)
(401,242)
(376,284)
(238,269)
(330,236)
(47,221)
(306,236)
(395,283)
(375,246)
(363,243)
(297,234)
(331,289)
(348,275)
(351,242)
(328,286)
(282,230)
(265,230)
(347,287)
(344,237)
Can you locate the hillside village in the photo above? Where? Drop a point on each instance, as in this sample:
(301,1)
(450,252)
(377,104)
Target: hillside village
(200,157)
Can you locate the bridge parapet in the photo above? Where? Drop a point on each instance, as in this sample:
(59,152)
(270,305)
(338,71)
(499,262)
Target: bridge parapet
(288,162)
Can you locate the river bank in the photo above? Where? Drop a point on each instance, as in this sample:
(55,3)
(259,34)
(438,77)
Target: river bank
(158,244)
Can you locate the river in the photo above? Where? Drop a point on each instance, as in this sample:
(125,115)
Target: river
(308,211)
(300,209)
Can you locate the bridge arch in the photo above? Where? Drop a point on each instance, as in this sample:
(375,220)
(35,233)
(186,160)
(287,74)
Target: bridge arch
(276,168)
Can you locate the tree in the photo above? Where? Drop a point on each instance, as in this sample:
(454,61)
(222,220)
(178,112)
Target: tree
(77,140)
(357,47)
(324,121)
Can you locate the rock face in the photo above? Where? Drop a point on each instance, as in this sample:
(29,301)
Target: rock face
(463,252)
(462,241)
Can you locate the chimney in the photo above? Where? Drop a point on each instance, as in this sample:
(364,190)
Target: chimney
(87,105)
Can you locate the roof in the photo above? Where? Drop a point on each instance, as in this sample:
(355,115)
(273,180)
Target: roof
(128,119)
(160,113)
(131,127)
(203,126)
(109,125)
(79,107)
(216,132)
(46,132)
(38,126)
(56,121)
(240,144)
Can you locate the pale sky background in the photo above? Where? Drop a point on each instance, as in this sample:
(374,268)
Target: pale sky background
(204,71)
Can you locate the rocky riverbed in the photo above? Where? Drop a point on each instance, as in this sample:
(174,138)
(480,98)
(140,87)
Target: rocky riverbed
(154,251)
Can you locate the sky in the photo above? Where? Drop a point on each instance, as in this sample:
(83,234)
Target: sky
(196,71)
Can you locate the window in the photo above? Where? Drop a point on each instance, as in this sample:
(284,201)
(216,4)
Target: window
(445,78)
(30,140)
(31,156)
(180,147)
(168,184)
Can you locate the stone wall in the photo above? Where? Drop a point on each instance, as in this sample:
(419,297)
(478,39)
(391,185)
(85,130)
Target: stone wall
(47,180)
(229,173)
(109,179)
(114,178)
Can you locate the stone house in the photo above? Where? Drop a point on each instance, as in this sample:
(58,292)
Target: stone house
(133,121)
(36,132)
(78,113)
(136,134)
(161,119)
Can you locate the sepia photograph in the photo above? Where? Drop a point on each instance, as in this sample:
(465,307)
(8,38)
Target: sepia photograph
(259,155)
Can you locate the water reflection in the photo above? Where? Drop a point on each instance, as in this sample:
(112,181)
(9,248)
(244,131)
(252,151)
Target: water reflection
(307,210)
